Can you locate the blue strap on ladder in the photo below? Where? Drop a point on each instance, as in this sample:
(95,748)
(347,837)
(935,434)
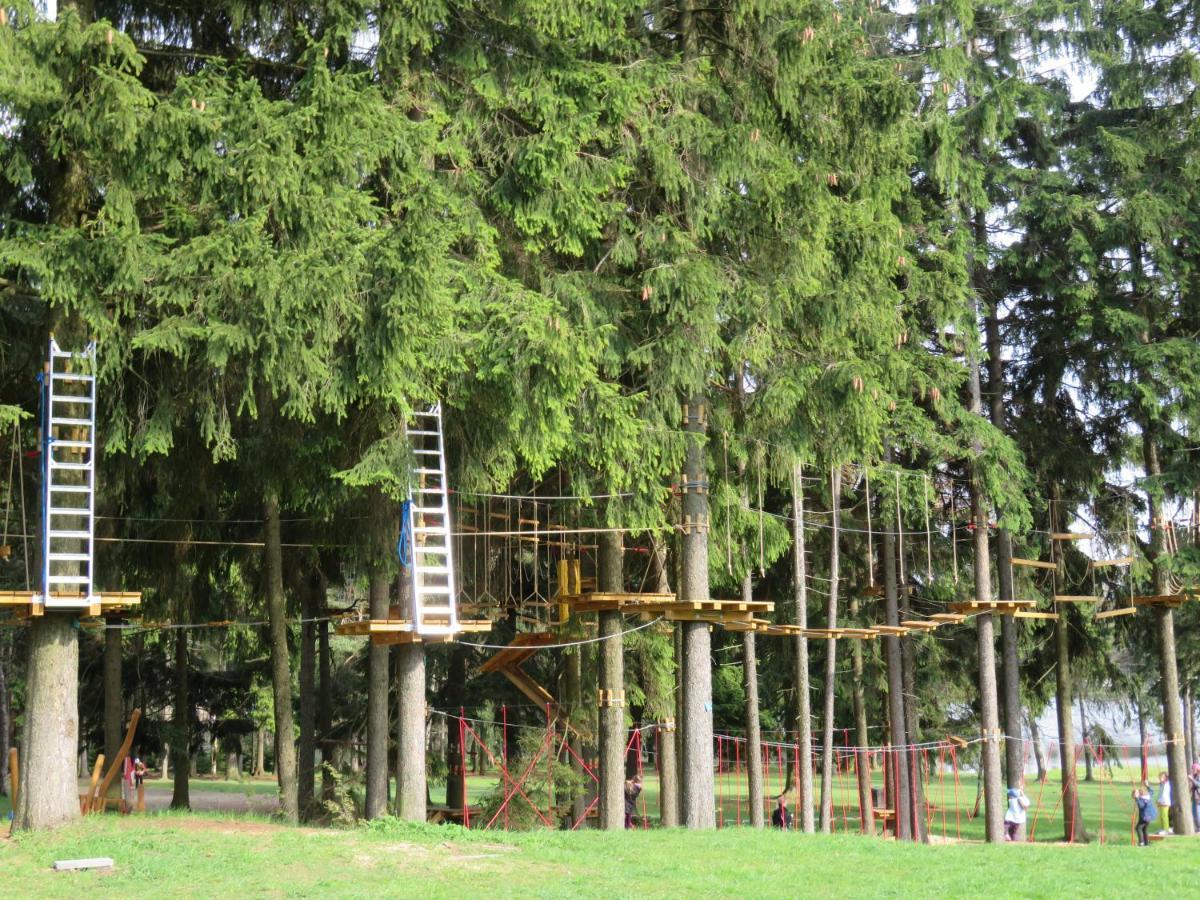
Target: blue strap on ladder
(404,545)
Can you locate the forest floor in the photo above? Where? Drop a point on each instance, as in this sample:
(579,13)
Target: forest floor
(204,854)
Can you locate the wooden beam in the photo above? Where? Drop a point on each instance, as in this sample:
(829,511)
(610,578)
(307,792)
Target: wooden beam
(1119,611)
(1033,563)
(1119,561)
(1071,536)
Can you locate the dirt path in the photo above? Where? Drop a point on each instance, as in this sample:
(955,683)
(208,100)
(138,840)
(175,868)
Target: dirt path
(159,797)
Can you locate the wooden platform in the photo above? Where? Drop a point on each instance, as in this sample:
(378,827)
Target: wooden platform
(1004,608)
(920,624)
(1032,563)
(22,603)
(1119,561)
(1032,614)
(1170,601)
(1119,611)
(1076,598)
(401,631)
(601,601)
(438,813)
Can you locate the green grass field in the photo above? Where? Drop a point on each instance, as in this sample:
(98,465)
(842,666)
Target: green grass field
(951,808)
(206,855)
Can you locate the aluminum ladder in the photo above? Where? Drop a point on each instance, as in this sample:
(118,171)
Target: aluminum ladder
(435,599)
(68,478)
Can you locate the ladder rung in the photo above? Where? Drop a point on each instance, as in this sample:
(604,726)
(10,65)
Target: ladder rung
(68,557)
(68,579)
(428,471)
(70,398)
(59,442)
(426,452)
(71,376)
(426,548)
(425,433)
(65,420)
(433,589)
(427,414)
(70,511)
(432,570)
(70,488)
(429,529)
(74,467)
(436,610)
(71,535)
(428,510)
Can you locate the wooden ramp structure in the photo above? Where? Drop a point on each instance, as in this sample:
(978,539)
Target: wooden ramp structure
(97,799)
(508,663)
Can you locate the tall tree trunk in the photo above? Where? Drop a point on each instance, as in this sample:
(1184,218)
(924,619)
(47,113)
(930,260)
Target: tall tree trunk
(1010,668)
(862,739)
(1143,739)
(1088,774)
(410,732)
(668,768)
(378,683)
(611,579)
(5,711)
(455,679)
(803,697)
(697,727)
(48,794)
(311,605)
(988,702)
(1039,753)
(114,713)
(324,714)
(1168,668)
(1073,827)
(1189,722)
(181,725)
(281,670)
(827,724)
(912,723)
(897,766)
(753,736)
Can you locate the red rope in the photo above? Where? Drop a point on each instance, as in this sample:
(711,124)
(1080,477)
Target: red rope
(462,764)
(720,782)
(504,754)
(737,770)
(957,801)
(645,819)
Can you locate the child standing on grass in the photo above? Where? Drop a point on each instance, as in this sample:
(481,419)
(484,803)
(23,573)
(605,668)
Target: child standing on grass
(1014,816)
(1145,815)
(1164,803)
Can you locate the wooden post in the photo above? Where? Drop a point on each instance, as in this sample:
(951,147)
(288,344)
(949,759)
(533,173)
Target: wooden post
(86,806)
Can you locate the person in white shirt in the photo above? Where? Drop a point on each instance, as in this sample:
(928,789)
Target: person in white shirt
(1014,816)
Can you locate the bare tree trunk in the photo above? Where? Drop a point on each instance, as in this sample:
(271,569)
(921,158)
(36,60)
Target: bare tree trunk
(411,788)
(378,684)
(48,794)
(114,713)
(181,724)
(912,725)
(5,710)
(311,605)
(1039,752)
(862,739)
(1088,774)
(753,736)
(897,724)
(697,727)
(1010,670)
(803,697)
(281,670)
(611,579)
(668,769)
(455,679)
(324,714)
(1189,723)
(1168,668)
(827,725)
(1073,827)
(988,701)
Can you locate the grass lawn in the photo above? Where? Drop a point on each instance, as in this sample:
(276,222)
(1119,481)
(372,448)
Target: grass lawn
(196,855)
